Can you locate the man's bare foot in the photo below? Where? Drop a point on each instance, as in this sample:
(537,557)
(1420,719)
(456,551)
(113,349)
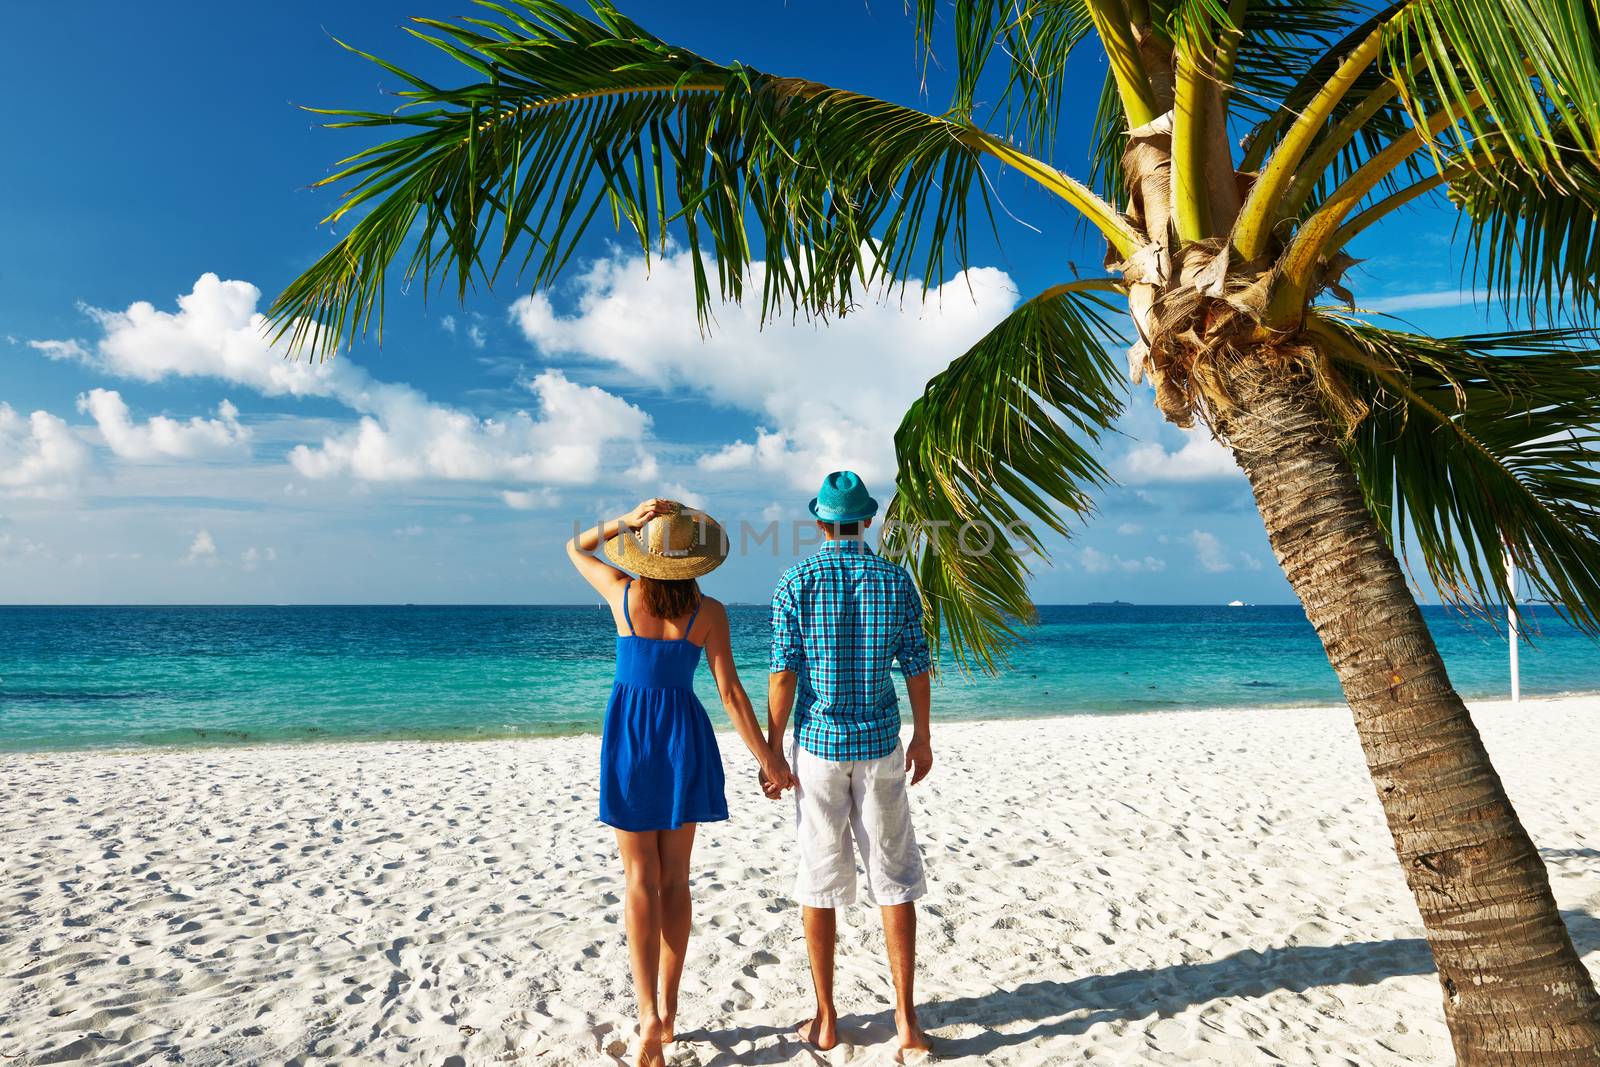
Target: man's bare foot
(823,1033)
(912,1039)
(650,1054)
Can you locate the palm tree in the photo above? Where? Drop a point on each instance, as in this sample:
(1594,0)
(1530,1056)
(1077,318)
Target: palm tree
(1363,445)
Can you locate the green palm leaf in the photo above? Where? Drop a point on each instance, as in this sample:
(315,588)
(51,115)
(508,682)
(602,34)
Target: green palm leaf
(1526,58)
(1536,239)
(1108,141)
(571,114)
(1035,38)
(1367,118)
(1003,433)
(1474,442)
(1278,40)
(836,192)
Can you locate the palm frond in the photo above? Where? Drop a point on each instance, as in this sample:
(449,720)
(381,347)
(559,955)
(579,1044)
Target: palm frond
(1525,59)
(1359,119)
(1280,40)
(1536,239)
(1471,443)
(1295,68)
(1363,124)
(1003,433)
(1273,42)
(1108,143)
(568,114)
(1032,39)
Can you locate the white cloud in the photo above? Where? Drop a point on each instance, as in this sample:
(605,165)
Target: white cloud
(1208,552)
(14,549)
(646,469)
(1129,529)
(69,349)
(1251,563)
(1096,562)
(476,335)
(39,455)
(1201,458)
(407,437)
(530,499)
(412,530)
(830,396)
(160,437)
(683,495)
(202,548)
(401,435)
(253,557)
(448,323)
(770,451)
(1441,298)
(215,333)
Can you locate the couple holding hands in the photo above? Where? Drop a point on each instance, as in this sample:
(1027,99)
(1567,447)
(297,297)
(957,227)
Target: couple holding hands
(840,621)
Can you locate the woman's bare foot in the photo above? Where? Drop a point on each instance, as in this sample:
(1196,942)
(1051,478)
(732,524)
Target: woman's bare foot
(650,1054)
(668,1033)
(820,1032)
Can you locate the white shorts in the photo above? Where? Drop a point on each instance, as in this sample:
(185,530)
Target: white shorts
(863,799)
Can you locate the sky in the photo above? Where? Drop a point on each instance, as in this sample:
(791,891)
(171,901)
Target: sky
(156,448)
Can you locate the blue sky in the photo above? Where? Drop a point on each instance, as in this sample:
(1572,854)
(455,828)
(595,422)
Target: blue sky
(154,449)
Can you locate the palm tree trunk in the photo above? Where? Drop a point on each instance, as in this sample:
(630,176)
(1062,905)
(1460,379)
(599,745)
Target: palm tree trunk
(1515,990)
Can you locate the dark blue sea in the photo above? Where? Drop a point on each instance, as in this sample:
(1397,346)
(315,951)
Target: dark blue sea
(148,676)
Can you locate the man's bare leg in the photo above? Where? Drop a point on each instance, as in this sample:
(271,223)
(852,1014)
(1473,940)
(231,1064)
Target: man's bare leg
(822,1029)
(900,935)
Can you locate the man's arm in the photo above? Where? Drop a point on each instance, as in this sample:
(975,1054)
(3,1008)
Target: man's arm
(917,664)
(780,701)
(919,753)
(787,656)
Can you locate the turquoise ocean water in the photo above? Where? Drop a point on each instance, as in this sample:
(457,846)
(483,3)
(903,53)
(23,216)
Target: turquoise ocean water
(141,676)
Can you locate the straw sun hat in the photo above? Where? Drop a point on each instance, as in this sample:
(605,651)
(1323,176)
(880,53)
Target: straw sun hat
(681,543)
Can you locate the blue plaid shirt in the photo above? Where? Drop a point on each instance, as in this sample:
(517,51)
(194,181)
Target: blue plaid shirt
(839,621)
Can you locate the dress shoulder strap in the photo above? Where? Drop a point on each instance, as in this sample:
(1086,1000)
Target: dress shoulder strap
(627,589)
(693,615)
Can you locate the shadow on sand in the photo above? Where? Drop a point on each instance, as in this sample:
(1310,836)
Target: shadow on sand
(1132,994)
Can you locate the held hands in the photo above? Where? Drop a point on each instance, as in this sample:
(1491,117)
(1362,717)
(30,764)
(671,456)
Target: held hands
(919,758)
(775,775)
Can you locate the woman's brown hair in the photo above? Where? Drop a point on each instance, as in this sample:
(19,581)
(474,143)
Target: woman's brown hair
(669,598)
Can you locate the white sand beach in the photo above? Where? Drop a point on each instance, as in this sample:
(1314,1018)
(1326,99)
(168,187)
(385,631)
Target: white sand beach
(1186,888)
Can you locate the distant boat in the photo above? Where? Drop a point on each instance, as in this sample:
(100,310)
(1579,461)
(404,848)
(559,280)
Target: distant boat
(1109,604)
(1236,604)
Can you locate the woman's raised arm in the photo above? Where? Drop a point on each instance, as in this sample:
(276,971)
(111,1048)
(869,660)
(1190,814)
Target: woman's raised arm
(581,550)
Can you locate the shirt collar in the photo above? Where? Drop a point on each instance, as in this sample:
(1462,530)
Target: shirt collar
(845,544)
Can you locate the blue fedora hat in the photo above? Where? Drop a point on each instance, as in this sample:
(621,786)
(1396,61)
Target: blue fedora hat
(843,498)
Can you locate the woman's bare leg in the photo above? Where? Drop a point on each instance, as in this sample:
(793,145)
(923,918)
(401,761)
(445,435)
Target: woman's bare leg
(641,863)
(676,915)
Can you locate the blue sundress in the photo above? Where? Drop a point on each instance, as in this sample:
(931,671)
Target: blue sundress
(660,767)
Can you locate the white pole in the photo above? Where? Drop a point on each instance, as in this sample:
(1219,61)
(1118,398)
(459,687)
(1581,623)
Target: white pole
(1512,625)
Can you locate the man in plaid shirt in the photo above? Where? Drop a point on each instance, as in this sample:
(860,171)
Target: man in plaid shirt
(840,620)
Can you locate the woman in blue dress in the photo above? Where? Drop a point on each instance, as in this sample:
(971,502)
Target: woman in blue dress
(660,769)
